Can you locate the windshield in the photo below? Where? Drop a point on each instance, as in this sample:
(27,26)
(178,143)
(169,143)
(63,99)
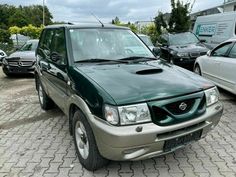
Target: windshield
(182,39)
(106,44)
(29,46)
(146,40)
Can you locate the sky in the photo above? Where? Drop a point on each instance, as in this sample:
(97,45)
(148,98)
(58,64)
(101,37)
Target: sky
(106,10)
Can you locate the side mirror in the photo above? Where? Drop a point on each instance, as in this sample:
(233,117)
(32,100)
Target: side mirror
(209,53)
(202,40)
(156,51)
(55,56)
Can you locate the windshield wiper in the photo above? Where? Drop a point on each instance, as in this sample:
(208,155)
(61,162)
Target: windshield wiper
(138,58)
(97,60)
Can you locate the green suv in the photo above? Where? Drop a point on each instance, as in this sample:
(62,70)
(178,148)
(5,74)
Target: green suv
(121,101)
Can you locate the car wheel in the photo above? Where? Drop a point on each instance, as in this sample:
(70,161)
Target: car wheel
(44,100)
(85,144)
(197,70)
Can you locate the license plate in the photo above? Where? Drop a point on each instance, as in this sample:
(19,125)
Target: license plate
(176,142)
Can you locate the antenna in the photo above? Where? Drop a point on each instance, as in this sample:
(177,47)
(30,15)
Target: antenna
(97,19)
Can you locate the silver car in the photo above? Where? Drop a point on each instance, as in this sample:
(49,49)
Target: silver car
(22,61)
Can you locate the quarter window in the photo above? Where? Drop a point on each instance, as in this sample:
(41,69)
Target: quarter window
(232,53)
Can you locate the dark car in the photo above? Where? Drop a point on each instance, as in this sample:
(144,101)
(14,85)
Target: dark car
(181,49)
(122,103)
(22,61)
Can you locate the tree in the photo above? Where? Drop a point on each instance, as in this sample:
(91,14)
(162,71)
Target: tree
(5,36)
(32,31)
(151,31)
(23,15)
(178,20)
(116,21)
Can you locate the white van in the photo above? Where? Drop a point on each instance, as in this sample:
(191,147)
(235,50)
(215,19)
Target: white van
(215,29)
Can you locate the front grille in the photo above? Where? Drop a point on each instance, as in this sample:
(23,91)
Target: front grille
(13,63)
(176,110)
(26,63)
(21,63)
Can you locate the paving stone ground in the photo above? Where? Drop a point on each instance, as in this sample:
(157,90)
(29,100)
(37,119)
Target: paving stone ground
(37,143)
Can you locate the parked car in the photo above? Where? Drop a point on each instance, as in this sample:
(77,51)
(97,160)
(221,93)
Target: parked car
(2,55)
(219,65)
(181,48)
(147,40)
(22,61)
(215,29)
(122,104)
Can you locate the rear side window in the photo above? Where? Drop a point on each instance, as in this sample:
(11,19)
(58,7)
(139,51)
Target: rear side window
(232,53)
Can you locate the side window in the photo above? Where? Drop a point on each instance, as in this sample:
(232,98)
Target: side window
(221,50)
(58,46)
(45,44)
(232,53)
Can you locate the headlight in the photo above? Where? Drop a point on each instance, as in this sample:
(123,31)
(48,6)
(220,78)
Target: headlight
(111,115)
(212,96)
(127,115)
(4,61)
(183,54)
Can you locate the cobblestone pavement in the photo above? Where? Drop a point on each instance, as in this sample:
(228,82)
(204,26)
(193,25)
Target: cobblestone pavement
(37,143)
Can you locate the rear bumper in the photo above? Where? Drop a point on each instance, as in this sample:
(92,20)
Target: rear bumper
(125,143)
(17,70)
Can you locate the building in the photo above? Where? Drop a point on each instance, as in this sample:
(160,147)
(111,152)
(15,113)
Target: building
(227,6)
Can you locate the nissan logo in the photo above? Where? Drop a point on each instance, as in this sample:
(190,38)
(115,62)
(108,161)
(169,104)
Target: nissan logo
(183,106)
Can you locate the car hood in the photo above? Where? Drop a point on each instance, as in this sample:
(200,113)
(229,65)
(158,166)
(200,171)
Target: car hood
(23,55)
(141,82)
(190,48)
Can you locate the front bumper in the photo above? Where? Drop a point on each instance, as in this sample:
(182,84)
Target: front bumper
(17,69)
(184,62)
(126,143)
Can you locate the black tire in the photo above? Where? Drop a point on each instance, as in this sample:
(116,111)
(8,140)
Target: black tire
(197,70)
(45,102)
(93,160)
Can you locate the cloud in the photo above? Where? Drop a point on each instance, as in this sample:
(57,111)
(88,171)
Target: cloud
(126,10)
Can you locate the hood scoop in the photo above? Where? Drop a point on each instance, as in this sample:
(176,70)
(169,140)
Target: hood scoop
(149,71)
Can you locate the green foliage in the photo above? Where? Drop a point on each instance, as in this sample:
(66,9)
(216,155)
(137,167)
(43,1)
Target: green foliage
(151,31)
(32,31)
(160,23)
(5,36)
(179,20)
(117,22)
(23,15)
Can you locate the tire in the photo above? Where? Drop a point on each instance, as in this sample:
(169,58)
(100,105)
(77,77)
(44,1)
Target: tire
(45,102)
(197,70)
(85,144)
